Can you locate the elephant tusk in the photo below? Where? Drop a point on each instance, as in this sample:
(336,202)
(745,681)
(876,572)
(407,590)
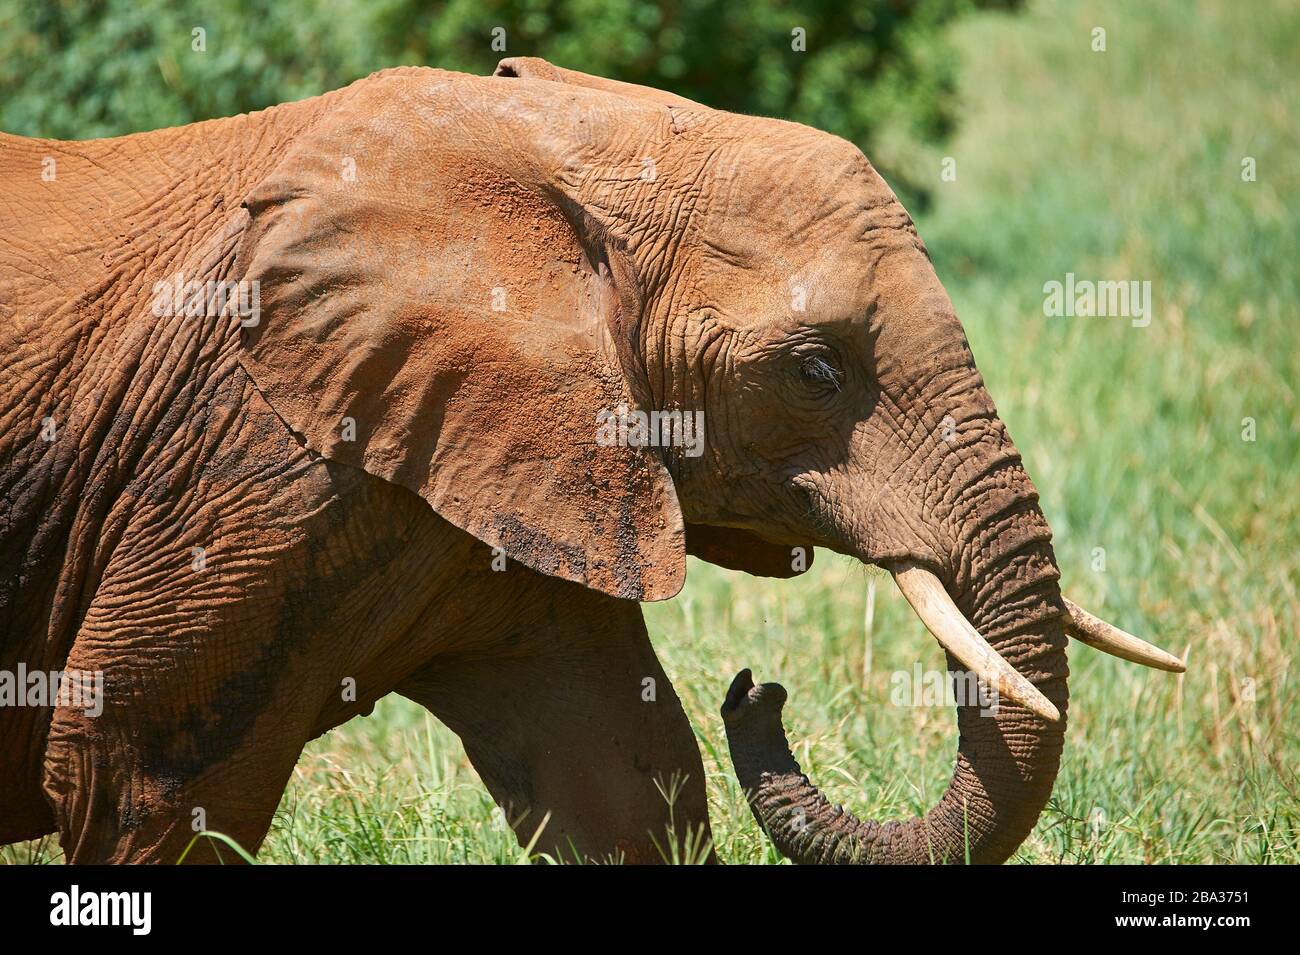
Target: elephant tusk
(926,593)
(1100,635)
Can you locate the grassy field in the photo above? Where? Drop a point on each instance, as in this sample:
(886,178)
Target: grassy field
(1123,164)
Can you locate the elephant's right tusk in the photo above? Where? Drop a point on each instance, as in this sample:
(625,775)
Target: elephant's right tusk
(926,593)
(1100,635)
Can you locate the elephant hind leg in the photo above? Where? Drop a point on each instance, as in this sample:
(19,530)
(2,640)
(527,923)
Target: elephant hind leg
(581,724)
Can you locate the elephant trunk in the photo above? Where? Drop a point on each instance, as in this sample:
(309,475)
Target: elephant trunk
(1008,753)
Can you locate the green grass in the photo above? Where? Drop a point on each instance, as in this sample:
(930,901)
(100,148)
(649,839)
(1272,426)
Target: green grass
(1116,165)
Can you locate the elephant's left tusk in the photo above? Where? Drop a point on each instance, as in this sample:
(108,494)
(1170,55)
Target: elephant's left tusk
(926,593)
(1100,635)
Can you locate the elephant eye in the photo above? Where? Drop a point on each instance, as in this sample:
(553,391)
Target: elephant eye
(820,373)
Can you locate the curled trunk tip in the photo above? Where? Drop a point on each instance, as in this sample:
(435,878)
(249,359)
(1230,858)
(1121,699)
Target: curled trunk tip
(800,821)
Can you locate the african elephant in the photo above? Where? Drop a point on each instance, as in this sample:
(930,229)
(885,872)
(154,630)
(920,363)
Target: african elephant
(350,397)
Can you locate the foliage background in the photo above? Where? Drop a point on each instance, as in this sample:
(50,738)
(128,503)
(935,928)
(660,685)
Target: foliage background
(1123,164)
(78,69)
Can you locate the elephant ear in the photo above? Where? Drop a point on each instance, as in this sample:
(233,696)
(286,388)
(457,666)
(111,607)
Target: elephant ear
(535,68)
(435,311)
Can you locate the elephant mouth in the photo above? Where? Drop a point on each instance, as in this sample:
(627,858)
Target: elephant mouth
(1005,766)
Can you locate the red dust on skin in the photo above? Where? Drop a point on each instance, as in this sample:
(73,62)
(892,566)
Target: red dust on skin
(456,274)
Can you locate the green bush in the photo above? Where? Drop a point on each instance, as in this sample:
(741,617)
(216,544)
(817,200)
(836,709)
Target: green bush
(877,72)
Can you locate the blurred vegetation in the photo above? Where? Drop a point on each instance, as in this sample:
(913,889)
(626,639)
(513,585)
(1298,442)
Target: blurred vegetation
(79,69)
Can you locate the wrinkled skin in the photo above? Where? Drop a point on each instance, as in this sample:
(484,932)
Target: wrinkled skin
(457,274)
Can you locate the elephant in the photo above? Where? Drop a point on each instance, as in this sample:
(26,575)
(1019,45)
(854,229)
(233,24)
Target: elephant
(422,386)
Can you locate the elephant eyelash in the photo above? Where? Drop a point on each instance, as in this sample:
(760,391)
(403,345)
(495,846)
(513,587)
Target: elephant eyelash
(820,372)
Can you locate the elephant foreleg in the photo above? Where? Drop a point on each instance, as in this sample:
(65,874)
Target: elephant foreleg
(111,807)
(577,725)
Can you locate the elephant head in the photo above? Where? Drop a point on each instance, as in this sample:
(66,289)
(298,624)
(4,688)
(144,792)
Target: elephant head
(470,286)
